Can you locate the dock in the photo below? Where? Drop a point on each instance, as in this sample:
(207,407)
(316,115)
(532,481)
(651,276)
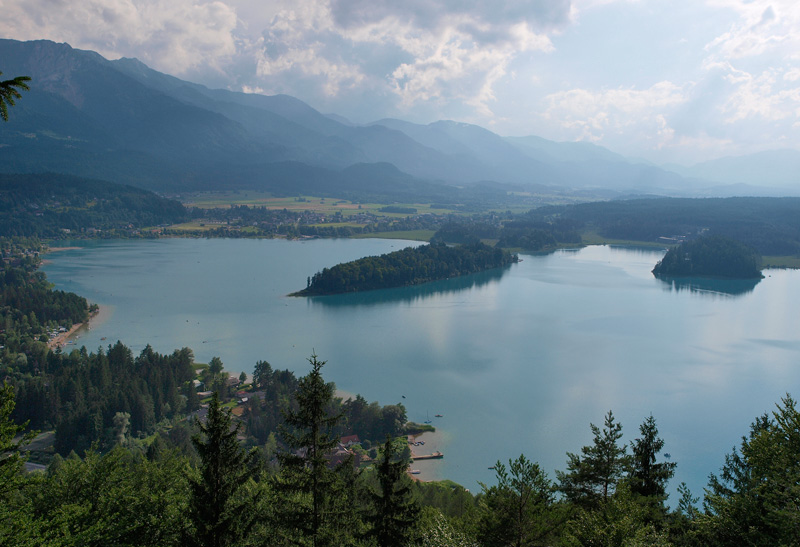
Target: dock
(435,456)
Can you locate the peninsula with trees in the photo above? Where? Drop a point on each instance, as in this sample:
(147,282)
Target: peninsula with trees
(710,256)
(409,266)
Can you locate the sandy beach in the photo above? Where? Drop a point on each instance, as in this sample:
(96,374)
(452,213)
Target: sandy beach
(97,318)
(56,249)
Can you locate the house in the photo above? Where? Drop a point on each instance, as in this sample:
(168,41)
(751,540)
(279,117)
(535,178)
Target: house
(349,440)
(341,454)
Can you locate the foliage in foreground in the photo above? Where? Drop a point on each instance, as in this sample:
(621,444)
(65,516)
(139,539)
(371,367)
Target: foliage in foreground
(159,496)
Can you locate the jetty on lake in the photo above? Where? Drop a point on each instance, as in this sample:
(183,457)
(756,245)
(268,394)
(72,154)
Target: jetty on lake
(435,456)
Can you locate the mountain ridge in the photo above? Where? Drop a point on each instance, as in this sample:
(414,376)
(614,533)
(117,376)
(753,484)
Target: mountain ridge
(90,116)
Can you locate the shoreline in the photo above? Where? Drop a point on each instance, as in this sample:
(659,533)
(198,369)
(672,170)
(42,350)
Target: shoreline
(56,249)
(64,338)
(429,469)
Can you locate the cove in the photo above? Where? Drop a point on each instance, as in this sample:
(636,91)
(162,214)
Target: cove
(516,361)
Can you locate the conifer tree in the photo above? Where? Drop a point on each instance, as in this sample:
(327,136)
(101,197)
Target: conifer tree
(517,511)
(395,510)
(649,478)
(11,461)
(9,93)
(591,479)
(306,482)
(217,506)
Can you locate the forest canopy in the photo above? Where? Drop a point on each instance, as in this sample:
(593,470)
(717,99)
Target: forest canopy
(409,266)
(54,206)
(711,256)
(769,225)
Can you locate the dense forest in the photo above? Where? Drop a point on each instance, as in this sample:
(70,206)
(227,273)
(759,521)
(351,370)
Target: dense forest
(204,487)
(57,206)
(769,225)
(409,266)
(710,256)
(29,307)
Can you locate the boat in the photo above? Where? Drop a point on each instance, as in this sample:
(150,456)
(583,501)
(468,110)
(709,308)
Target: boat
(415,471)
(438,416)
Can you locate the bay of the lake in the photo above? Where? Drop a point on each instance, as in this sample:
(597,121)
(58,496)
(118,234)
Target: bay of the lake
(515,361)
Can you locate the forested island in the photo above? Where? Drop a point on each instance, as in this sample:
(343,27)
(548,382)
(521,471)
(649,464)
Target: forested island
(710,256)
(409,266)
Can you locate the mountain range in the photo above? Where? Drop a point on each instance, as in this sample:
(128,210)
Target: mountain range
(123,121)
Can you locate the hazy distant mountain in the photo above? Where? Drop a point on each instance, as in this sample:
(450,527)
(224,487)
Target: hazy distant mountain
(121,120)
(547,150)
(772,168)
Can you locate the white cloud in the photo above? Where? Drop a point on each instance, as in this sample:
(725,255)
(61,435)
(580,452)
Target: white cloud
(590,115)
(757,96)
(418,51)
(763,26)
(175,36)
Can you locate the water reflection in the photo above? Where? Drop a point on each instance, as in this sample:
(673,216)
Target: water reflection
(709,286)
(409,295)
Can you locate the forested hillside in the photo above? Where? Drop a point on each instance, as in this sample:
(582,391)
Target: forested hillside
(56,206)
(769,225)
(168,489)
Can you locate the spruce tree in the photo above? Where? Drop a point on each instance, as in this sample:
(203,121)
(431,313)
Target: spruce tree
(518,510)
(591,479)
(217,507)
(11,459)
(394,508)
(649,478)
(306,483)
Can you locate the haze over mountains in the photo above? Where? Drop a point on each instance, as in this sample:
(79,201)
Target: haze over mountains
(122,121)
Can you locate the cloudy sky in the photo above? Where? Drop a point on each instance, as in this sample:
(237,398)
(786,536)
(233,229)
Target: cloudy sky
(667,80)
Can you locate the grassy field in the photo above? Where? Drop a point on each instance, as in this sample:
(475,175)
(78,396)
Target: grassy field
(592,238)
(781,262)
(329,206)
(414,235)
(194,227)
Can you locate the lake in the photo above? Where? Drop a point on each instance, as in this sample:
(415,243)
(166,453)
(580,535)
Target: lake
(516,361)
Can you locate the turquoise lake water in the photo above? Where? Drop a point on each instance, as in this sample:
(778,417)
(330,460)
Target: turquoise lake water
(515,361)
